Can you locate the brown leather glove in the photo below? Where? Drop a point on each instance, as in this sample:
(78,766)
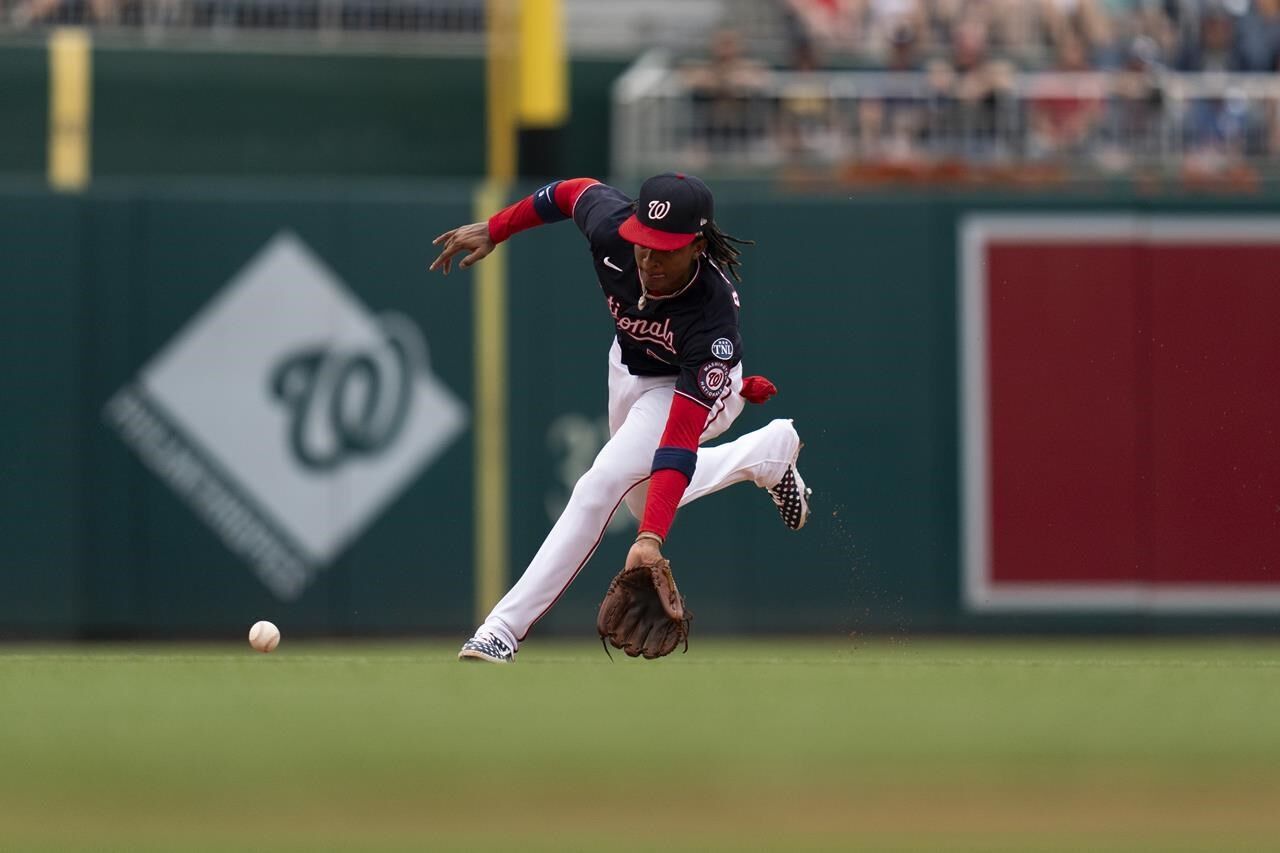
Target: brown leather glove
(643,612)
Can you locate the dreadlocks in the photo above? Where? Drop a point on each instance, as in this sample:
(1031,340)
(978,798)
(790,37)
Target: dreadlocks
(722,252)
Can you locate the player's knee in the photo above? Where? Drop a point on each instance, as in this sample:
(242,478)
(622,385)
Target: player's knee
(783,430)
(602,488)
(635,503)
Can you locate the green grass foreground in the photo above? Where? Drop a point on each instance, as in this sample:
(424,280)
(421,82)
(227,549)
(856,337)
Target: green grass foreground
(886,745)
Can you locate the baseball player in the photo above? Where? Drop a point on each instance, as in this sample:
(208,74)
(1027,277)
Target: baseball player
(675,381)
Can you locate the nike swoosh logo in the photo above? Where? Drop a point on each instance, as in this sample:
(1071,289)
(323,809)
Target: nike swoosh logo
(611,266)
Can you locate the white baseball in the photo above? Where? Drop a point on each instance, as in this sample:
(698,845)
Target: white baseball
(264,636)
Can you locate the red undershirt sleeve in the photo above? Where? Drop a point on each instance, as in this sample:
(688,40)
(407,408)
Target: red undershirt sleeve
(567,193)
(552,203)
(673,464)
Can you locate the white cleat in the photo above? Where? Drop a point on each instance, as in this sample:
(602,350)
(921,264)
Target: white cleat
(486,647)
(791,496)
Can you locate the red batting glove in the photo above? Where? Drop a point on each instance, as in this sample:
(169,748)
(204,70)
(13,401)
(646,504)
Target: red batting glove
(757,389)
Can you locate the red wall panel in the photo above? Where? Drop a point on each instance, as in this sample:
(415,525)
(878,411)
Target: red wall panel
(1063,412)
(1122,411)
(1215,438)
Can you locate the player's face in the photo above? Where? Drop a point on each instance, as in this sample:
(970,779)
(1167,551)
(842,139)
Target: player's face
(667,272)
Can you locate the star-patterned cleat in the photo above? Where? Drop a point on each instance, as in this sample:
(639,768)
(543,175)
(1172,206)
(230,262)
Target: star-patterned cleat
(791,497)
(484,646)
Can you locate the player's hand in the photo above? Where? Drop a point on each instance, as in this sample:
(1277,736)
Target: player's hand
(473,238)
(645,552)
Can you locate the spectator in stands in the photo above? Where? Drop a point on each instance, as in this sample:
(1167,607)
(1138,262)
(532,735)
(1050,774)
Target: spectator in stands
(903,52)
(1179,19)
(1167,23)
(1136,109)
(29,12)
(883,18)
(889,128)
(729,96)
(807,127)
(939,17)
(833,26)
(1216,48)
(1270,136)
(1219,133)
(1008,23)
(1063,118)
(1258,36)
(1085,20)
(982,89)
(904,115)
(853,28)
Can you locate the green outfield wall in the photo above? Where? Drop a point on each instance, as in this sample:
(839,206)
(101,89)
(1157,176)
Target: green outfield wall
(230,402)
(236,113)
(95,287)
(24,110)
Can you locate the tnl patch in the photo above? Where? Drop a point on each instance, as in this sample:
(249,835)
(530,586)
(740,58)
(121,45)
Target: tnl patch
(722,349)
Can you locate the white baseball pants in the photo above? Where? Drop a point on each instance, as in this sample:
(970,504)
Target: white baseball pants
(638,407)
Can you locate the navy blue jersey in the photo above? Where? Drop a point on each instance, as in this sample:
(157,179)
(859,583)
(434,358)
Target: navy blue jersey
(691,334)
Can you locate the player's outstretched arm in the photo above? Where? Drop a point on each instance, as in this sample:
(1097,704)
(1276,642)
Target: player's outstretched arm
(473,239)
(552,203)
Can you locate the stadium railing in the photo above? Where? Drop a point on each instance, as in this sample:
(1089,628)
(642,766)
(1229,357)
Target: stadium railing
(593,27)
(608,27)
(457,23)
(1032,125)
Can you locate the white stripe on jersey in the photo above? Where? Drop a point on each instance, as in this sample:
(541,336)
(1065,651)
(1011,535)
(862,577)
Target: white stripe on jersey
(573,209)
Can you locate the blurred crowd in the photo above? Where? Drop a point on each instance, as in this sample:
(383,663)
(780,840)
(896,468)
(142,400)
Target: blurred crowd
(1193,35)
(1109,85)
(399,16)
(956,86)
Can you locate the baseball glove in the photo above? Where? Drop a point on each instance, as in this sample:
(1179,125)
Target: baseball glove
(643,613)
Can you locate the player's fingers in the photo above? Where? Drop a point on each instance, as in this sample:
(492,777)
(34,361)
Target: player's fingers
(476,254)
(450,250)
(443,236)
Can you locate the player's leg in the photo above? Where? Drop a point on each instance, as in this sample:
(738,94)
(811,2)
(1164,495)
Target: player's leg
(766,457)
(624,391)
(622,463)
(719,418)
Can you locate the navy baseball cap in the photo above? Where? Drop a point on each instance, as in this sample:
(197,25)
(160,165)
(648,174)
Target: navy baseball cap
(672,210)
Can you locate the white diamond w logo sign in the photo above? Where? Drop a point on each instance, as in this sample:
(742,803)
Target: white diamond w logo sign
(287,415)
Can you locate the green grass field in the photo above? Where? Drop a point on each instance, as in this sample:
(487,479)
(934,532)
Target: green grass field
(909,744)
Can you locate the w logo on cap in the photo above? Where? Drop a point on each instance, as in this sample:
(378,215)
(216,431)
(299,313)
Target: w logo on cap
(659,209)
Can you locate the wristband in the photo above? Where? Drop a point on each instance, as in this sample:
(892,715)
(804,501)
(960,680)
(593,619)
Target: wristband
(645,534)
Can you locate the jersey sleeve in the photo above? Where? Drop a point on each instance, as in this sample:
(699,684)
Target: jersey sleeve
(706,360)
(552,203)
(599,212)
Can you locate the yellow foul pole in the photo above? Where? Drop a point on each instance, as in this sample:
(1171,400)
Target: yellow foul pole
(70,102)
(489,304)
(526,82)
(501,61)
(544,84)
